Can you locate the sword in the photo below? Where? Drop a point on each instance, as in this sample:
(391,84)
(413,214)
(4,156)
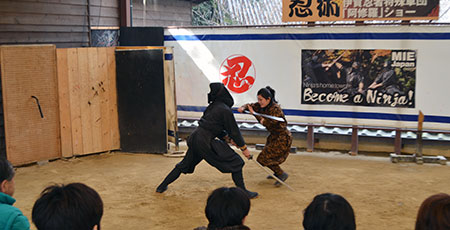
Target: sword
(271,174)
(266,116)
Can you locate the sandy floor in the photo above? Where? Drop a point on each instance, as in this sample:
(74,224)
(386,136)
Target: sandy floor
(384,195)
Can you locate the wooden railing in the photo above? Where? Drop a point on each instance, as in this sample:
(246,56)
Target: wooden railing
(355,137)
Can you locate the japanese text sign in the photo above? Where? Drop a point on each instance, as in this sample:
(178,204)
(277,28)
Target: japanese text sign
(359,10)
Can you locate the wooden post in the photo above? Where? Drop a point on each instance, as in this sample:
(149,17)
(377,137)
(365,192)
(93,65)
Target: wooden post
(310,139)
(89,22)
(398,142)
(419,159)
(354,149)
(125,13)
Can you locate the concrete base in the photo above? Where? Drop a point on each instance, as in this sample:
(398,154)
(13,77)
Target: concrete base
(175,154)
(419,160)
(261,146)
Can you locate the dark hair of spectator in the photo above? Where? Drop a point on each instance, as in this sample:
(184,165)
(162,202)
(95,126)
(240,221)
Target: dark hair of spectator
(6,170)
(329,212)
(434,213)
(267,93)
(68,207)
(227,207)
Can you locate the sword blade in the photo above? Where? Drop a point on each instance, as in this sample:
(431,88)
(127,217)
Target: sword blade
(273,175)
(266,116)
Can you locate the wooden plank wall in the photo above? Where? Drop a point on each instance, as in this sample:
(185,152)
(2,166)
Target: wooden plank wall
(63,22)
(162,13)
(88,101)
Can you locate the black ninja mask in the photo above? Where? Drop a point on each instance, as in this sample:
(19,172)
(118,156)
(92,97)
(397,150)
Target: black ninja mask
(218,92)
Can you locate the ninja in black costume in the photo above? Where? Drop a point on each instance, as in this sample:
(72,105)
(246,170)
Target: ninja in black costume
(208,141)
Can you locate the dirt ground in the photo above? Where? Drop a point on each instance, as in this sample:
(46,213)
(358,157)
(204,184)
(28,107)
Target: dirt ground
(384,195)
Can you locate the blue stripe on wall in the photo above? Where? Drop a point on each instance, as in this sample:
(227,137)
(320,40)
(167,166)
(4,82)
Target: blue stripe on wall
(310,36)
(339,114)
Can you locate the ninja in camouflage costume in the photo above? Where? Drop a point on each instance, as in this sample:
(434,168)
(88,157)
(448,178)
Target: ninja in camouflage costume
(279,141)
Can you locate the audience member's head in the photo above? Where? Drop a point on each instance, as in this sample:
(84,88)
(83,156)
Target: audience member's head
(434,213)
(10,216)
(6,177)
(329,212)
(227,207)
(68,207)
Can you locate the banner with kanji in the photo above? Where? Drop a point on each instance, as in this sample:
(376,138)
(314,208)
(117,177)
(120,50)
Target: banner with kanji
(356,75)
(359,10)
(359,77)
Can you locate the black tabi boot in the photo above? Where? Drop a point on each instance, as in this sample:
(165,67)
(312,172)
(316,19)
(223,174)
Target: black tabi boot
(239,182)
(161,188)
(173,175)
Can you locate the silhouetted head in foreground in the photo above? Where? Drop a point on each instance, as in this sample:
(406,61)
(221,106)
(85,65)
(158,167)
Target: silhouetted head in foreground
(68,207)
(434,213)
(227,207)
(329,212)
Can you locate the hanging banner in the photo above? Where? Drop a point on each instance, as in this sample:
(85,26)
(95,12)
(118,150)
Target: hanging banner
(359,10)
(359,77)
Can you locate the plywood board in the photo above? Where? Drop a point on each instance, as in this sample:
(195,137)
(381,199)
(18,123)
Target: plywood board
(29,77)
(92,97)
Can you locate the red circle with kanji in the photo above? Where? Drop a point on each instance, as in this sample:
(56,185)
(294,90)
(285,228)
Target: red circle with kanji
(237,73)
